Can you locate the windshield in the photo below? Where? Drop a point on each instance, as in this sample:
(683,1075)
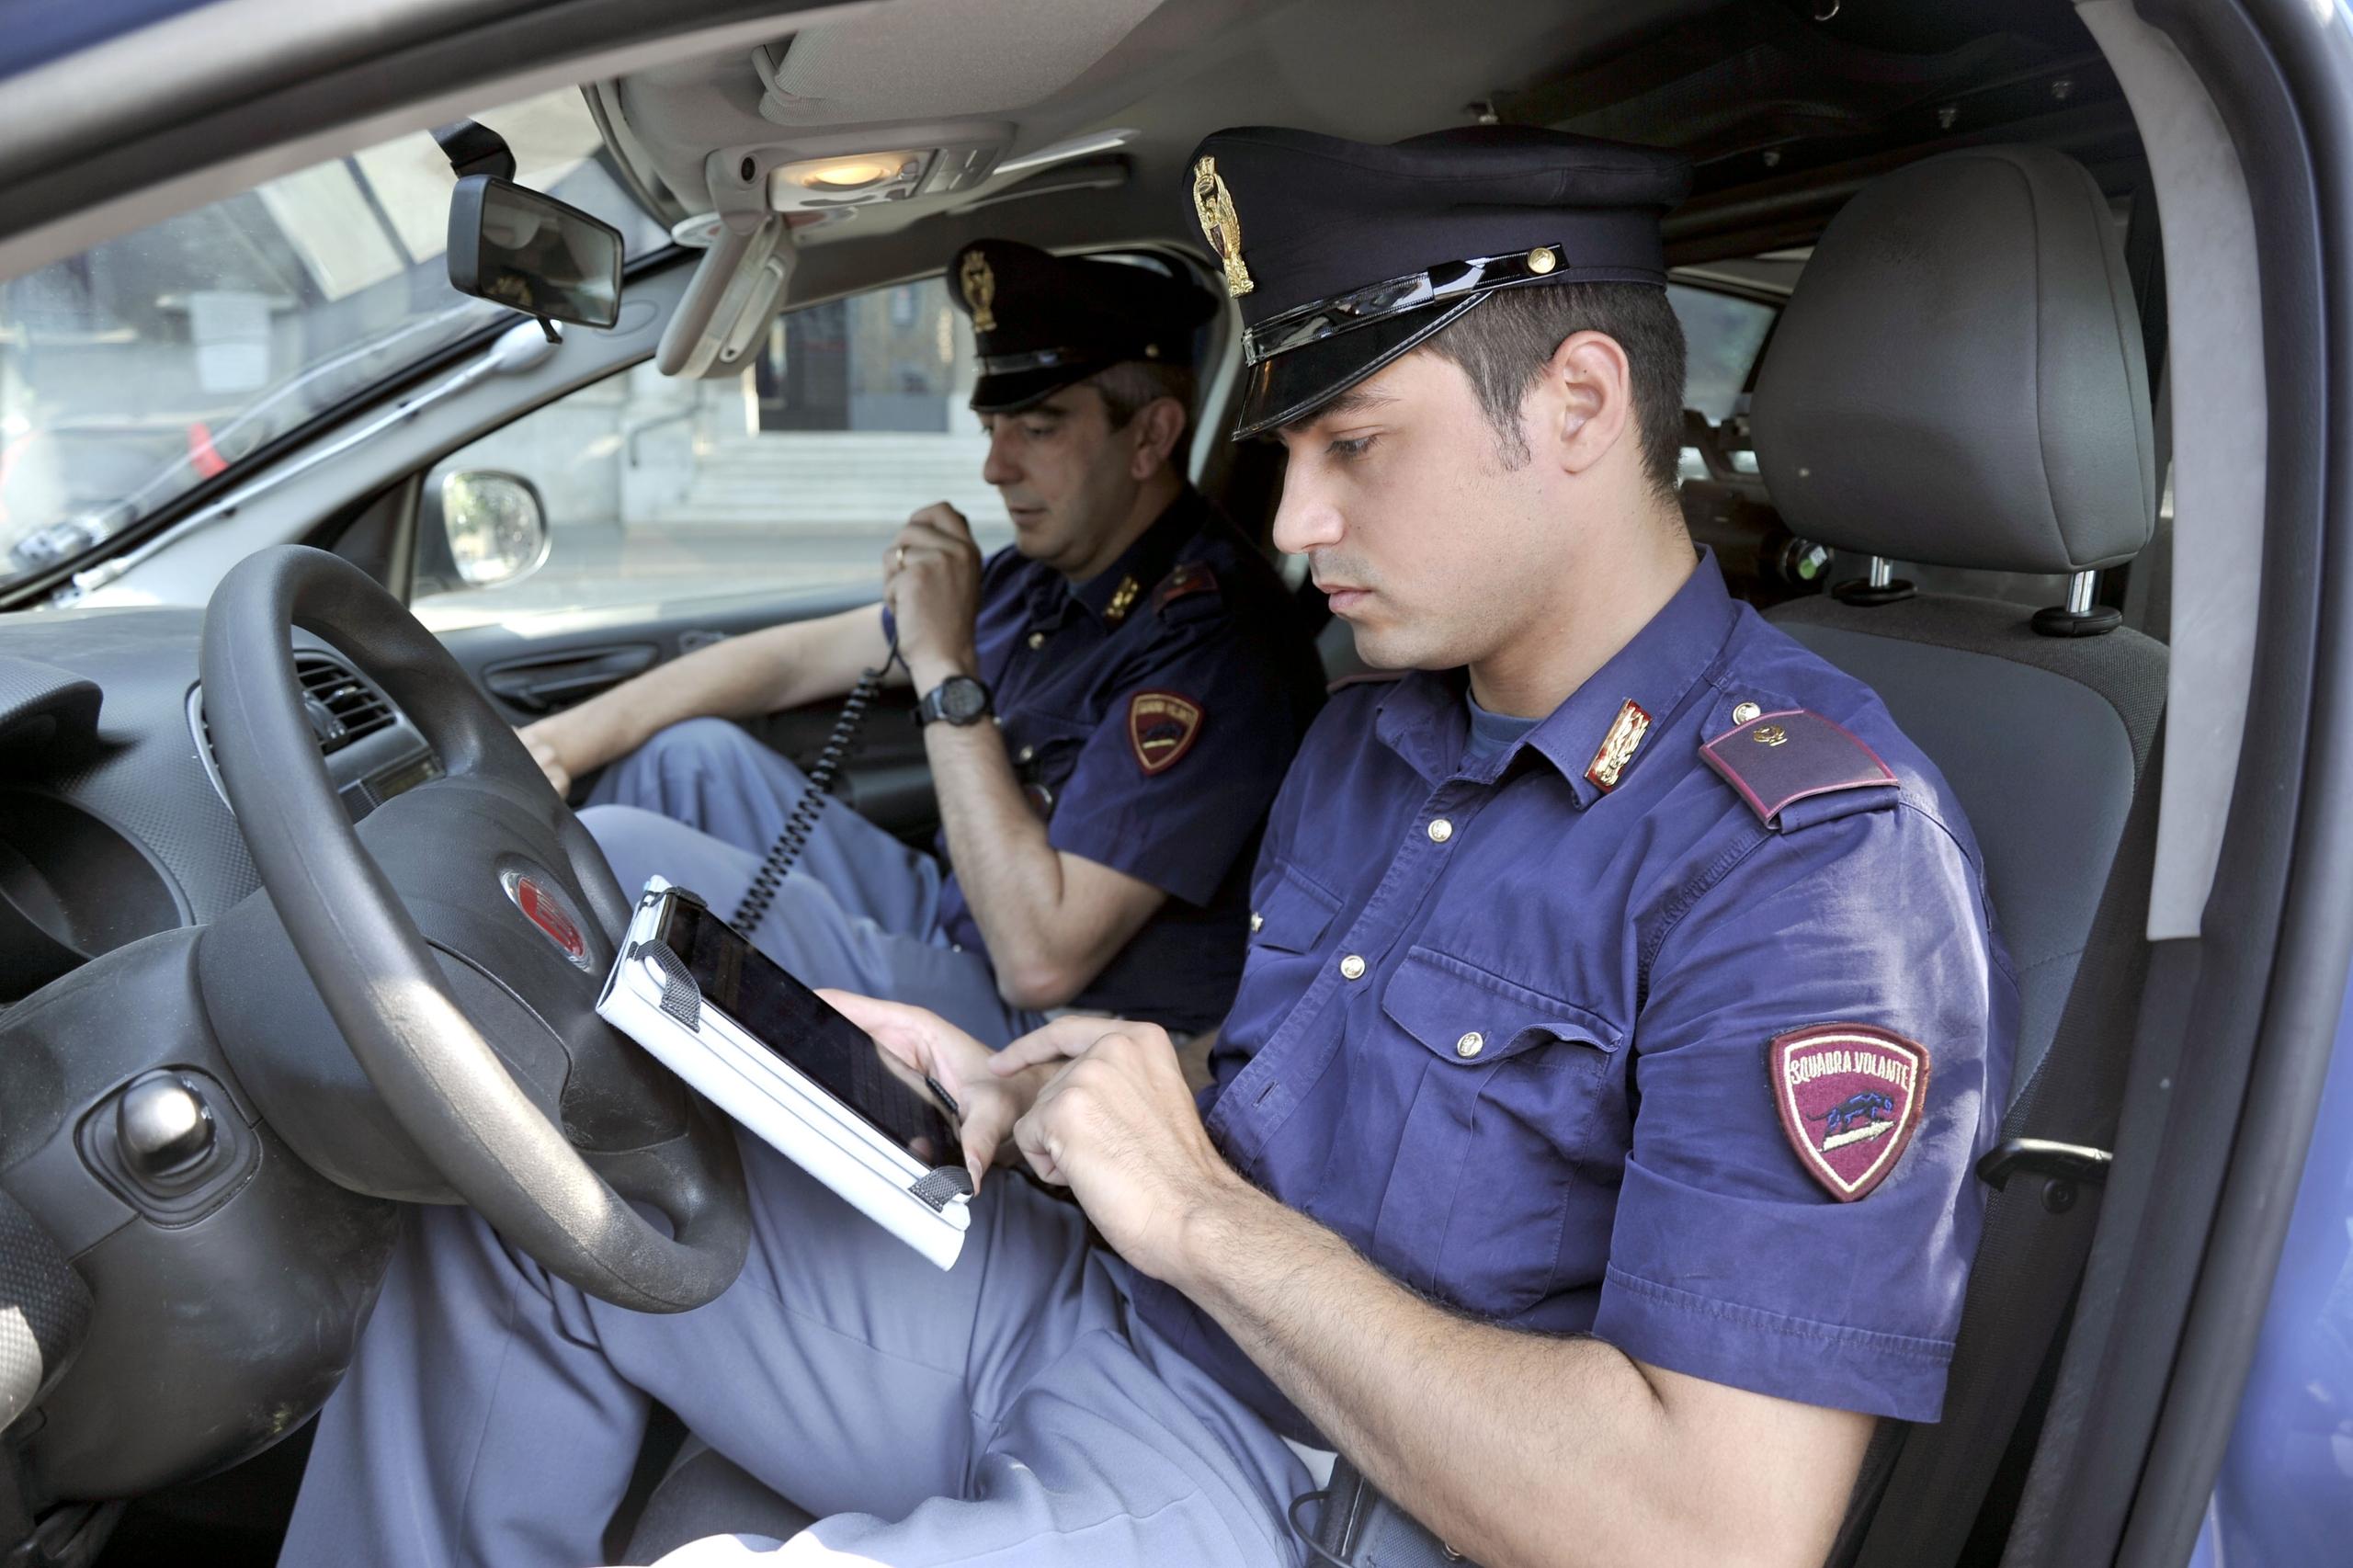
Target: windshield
(148,364)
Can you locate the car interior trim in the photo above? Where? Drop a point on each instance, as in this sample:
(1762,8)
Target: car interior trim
(2217,455)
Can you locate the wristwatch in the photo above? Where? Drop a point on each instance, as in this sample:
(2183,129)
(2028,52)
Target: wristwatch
(960,700)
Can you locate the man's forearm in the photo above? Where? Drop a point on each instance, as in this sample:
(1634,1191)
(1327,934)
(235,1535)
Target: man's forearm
(1516,1449)
(780,667)
(1011,874)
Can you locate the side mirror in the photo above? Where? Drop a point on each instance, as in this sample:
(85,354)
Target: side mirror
(480,529)
(519,248)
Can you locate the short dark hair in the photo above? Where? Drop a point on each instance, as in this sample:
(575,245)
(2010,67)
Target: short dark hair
(1510,336)
(1128,386)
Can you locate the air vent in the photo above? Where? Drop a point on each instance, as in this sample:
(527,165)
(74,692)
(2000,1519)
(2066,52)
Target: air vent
(340,705)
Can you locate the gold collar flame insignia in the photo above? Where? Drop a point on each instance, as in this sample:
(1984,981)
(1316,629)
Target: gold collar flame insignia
(1221,225)
(1618,747)
(979,289)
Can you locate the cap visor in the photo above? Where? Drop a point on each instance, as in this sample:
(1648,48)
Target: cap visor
(1295,383)
(1011,394)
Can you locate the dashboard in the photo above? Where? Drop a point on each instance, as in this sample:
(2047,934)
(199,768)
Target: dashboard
(113,823)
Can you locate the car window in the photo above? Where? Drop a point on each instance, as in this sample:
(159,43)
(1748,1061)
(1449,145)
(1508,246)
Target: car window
(147,364)
(793,475)
(1721,335)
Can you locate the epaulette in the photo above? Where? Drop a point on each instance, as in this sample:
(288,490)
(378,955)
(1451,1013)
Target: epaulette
(1186,579)
(1778,759)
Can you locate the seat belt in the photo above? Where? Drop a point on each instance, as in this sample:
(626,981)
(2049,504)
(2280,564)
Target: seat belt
(1923,1485)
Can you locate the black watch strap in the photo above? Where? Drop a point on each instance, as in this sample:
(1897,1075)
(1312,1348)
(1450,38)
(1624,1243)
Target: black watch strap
(960,700)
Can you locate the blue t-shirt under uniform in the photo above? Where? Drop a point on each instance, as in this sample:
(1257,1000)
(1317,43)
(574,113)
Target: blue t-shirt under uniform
(1531,1024)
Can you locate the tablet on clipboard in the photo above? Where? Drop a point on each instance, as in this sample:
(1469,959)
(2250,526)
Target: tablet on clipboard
(769,1052)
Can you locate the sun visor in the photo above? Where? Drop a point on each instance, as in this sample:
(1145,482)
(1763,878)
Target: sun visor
(736,293)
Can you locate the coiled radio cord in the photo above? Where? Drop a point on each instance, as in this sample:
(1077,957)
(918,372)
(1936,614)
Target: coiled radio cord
(794,835)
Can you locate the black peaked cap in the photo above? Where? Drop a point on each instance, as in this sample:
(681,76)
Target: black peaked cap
(1041,322)
(1311,227)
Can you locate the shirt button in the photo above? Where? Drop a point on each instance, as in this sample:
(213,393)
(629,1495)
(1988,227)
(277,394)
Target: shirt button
(1352,968)
(1470,1045)
(1037,640)
(1440,829)
(1256,920)
(1026,753)
(1746,713)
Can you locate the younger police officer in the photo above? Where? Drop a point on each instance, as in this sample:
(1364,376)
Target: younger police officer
(1110,703)
(1588,1153)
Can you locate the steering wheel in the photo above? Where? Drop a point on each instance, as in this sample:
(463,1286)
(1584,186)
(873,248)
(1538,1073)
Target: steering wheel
(481,1039)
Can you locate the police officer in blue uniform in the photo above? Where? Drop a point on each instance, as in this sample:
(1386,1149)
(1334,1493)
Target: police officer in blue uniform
(1588,1153)
(1110,702)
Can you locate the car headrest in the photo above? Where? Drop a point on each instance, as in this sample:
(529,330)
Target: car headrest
(1958,378)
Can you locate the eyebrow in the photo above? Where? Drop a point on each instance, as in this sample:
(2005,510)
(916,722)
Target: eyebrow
(1355,399)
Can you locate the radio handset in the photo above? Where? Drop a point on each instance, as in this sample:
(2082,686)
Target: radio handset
(793,836)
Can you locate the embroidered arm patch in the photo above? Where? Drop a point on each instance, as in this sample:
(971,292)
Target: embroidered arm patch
(1161,727)
(1849,1095)
(1778,759)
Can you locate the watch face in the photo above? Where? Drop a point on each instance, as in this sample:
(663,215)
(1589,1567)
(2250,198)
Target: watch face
(963,700)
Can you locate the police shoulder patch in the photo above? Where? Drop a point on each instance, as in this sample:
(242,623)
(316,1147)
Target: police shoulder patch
(1161,727)
(1189,578)
(1850,1097)
(1778,759)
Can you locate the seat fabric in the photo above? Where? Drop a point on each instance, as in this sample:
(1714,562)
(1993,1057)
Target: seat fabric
(2043,739)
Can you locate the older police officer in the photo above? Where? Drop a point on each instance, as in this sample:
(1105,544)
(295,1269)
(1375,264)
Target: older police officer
(1109,702)
(1588,1153)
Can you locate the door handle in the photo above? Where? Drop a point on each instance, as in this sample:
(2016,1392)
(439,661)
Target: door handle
(545,682)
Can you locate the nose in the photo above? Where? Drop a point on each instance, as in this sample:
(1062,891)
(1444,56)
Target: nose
(998,467)
(1305,519)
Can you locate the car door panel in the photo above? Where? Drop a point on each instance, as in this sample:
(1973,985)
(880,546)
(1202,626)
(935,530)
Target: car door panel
(539,665)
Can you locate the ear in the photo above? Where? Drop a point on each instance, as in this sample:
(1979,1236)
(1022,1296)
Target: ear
(1156,428)
(1585,402)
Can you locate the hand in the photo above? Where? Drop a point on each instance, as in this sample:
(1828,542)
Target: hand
(931,579)
(929,1044)
(1119,1127)
(540,741)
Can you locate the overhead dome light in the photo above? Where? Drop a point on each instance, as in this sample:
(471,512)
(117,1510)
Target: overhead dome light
(860,172)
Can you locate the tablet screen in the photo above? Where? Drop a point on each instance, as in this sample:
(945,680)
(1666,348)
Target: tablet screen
(792,1021)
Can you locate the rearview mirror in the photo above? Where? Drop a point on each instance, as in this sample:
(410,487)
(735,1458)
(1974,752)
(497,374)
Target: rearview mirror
(533,253)
(482,529)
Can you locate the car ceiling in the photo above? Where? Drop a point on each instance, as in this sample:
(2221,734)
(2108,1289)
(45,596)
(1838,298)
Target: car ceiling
(1765,97)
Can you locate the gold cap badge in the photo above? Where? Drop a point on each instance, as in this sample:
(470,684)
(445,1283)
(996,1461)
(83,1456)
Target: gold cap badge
(1626,733)
(979,289)
(1221,225)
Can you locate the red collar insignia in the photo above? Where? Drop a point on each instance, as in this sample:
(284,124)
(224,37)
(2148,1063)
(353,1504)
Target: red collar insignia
(1850,1097)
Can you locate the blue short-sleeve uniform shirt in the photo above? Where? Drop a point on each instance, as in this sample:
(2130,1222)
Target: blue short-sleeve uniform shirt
(1150,713)
(1512,1033)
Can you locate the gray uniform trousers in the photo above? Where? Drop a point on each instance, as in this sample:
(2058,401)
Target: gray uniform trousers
(700,803)
(1007,1411)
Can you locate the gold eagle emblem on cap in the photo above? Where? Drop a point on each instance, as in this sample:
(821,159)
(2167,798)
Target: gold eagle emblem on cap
(1221,225)
(979,284)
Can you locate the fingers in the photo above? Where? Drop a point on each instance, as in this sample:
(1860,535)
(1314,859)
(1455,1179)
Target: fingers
(945,520)
(1060,1040)
(1030,1135)
(1067,1038)
(905,1032)
(550,762)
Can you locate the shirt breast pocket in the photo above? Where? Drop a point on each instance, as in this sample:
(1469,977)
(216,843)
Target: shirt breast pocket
(1510,1096)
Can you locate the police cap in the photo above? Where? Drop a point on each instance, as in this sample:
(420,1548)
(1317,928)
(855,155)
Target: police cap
(1041,322)
(1345,255)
